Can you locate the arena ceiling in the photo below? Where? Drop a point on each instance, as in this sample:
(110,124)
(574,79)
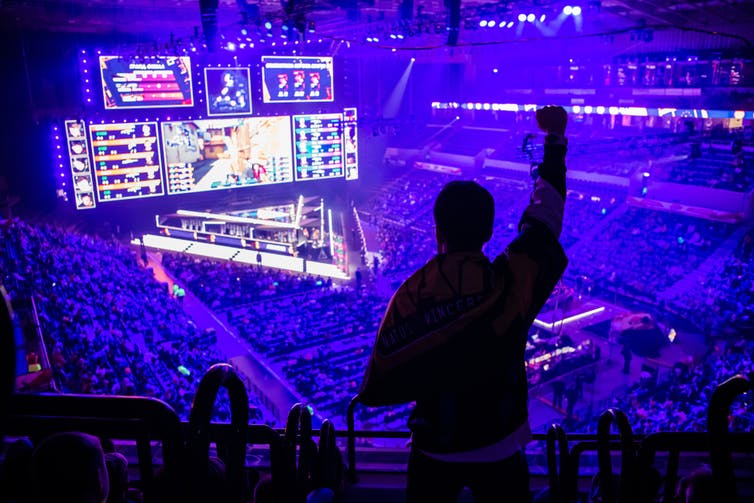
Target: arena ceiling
(149,19)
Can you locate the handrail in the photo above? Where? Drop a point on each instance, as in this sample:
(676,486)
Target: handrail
(139,418)
(329,467)
(351,439)
(219,375)
(676,442)
(298,469)
(558,473)
(607,481)
(721,459)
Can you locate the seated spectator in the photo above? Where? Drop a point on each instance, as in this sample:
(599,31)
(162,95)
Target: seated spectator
(70,468)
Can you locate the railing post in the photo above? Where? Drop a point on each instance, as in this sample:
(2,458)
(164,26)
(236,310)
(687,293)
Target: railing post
(558,473)
(608,484)
(219,375)
(351,440)
(721,459)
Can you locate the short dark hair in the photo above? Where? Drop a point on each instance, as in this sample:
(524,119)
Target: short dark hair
(70,467)
(464,214)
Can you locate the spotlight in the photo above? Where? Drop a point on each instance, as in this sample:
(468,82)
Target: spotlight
(268,25)
(522,17)
(483,23)
(231,46)
(567,10)
(576,11)
(413,59)
(491,24)
(244,32)
(542,18)
(531,18)
(393,36)
(510,24)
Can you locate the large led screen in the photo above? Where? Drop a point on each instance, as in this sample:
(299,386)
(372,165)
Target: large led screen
(156,82)
(318,146)
(227,91)
(213,154)
(288,79)
(126,160)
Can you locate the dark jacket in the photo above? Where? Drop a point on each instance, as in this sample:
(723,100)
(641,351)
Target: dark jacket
(454,333)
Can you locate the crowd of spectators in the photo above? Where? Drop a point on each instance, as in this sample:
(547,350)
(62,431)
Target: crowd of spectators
(644,252)
(109,327)
(320,340)
(724,298)
(679,400)
(222,284)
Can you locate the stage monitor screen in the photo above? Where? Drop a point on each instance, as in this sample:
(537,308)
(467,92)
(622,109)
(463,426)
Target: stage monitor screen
(290,79)
(227,91)
(318,146)
(126,160)
(156,82)
(213,154)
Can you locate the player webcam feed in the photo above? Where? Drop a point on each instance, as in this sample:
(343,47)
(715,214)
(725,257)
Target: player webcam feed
(157,82)
(215,154)
(227,91)
(288,79)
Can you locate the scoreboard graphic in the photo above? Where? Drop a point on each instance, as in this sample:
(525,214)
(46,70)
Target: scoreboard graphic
(158,82)
(318,146)
(126,160)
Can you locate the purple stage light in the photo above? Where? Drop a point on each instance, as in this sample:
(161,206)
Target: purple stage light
(510,24)
(567,10)
(531,18)
(491,24)
(483,23)
(542,18)
(522,17)
(576,10)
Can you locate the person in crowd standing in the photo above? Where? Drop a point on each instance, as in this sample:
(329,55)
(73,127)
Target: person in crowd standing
(454,335)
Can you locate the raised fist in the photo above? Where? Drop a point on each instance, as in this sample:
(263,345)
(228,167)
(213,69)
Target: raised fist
(552,119)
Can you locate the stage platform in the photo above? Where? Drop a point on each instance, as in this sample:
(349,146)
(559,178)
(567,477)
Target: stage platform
(241,255)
